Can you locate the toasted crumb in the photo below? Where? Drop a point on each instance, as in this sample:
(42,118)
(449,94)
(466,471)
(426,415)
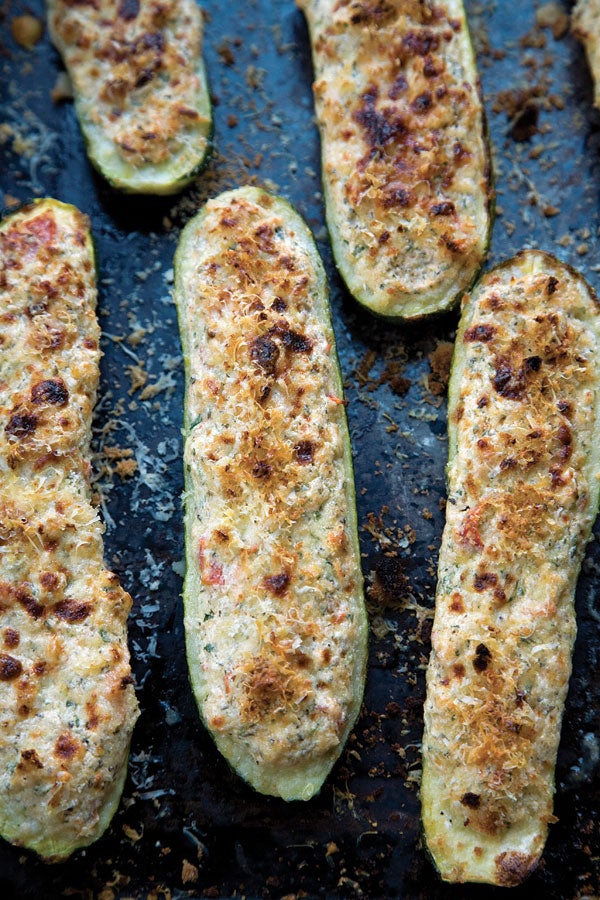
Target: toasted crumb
(189,872)
(26,31)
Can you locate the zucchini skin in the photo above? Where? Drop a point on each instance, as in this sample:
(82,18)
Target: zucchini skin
(523,493)
(406,164)
(140,89)
(584,24)
(66,692)
(275,621)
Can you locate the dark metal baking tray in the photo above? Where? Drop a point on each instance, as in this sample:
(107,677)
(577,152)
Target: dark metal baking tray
(187,826)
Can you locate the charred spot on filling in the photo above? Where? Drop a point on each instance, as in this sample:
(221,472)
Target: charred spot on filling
(422,103)
(279,305)
(376,11)
(29,760)
(458,670)
(456,603)
(29,603)
(72,611)
(485,580)
(446,208)
(532,363)
(421,43)
(49,581)
(128,10)
(297,343)
(473,801)
(396,195)
(399,85)
(510,382)
(481,333)
(53,391)
(565,438)
(265,353)
(277,584)
(381,127)
(66,747)
(11,637)
(565,407)
(261,469)
(483,402)
(551,285)
(21,425)
(10,668)
(482,658)
(305,452)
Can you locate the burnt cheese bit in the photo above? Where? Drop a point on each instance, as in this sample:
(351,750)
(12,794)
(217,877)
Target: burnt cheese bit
(482,658)
(473,801)
(485,580)
(261,469)
(445,208)
(380,126)
(277,584)
(265,353)
(128,10)
(11,637)
(21,425)
(72,611)
(10,668)
(66,747)
(29,603)
(52,391)
(305,452)
(551,285)
(420,43)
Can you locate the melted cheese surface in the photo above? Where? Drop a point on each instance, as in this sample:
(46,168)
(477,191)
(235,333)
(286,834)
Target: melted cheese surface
(67,705)
(405,166)
(274,609)
(523,484)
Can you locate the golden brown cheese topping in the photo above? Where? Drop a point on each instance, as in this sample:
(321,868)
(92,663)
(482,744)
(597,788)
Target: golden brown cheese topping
(278,622)
(67,703)
(523,494)
(405,164)
(139,84)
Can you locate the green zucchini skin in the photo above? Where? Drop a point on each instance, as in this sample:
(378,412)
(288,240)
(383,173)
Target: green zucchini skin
(275,621)
(140,90)
(406,163)
(67,722)
(523,494)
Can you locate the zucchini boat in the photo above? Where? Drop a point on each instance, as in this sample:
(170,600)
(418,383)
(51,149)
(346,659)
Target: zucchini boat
(585,24)
(523,491)
(140,88)
(405,161)
(275,621)
(66,694)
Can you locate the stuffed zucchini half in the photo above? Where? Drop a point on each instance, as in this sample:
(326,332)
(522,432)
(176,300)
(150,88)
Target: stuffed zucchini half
(585,23)
(275,621)
(66,694)
(523,484)
(405,160)
(140,88)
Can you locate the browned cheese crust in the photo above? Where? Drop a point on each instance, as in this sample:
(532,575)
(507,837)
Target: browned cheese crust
(405,165)
(275,619)
(139,86)
(522,497)
(67,705)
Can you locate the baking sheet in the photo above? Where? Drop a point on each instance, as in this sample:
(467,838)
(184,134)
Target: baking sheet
(187,826)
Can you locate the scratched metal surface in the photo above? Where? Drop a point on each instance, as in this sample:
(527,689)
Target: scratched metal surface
(360,836)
